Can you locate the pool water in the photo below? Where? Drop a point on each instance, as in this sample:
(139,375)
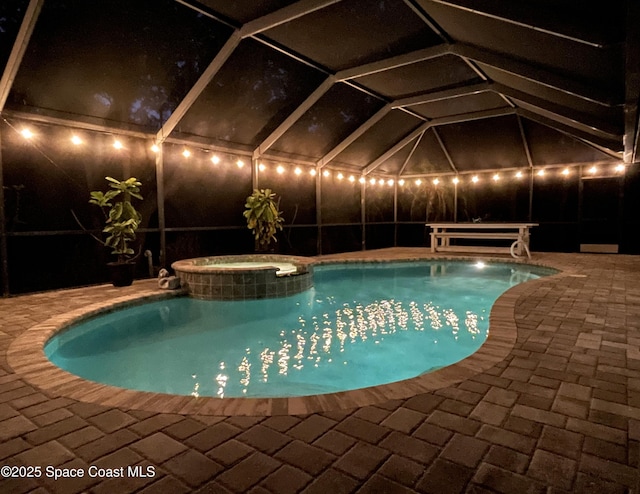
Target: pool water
(361,325)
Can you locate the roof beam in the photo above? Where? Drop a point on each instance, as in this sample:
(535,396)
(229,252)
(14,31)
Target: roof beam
(294,117)
(283,15)
(393,62)
(200,85)
(468,117)
(606,146)
(19,47)
(424,17)
(374,119)
(444,150)
(535,74)
(442,95)
(526,25)
(632,85)
(496,112)
(395,148)
(525,142)
(410,155)
(567,116)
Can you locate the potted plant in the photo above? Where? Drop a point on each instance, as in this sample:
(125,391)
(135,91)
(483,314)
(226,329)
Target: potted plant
(263,218)
(122,222)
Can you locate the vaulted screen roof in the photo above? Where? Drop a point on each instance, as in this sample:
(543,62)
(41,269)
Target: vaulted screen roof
(399,87)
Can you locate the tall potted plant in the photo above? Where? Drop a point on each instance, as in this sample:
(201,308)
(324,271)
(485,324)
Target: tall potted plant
(122,221)
(263,218)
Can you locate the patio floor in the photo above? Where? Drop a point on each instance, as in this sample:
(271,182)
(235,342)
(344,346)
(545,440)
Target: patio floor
(561,413)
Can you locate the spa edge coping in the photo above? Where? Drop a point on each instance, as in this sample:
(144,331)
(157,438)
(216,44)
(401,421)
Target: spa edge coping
(27,358)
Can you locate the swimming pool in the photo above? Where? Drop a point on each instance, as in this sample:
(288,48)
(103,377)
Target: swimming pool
(361,325)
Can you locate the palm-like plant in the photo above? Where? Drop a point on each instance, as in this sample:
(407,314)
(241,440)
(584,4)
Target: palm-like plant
(263,217)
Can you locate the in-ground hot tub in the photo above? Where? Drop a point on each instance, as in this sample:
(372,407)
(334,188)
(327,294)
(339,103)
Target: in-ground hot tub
(244,277)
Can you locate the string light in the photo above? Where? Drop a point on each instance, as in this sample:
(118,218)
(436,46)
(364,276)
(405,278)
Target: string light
(26,133)
(297,171)
(361,180)
(186,153)
(519,175)
(280,169)
(313,172)
(418,182)
(436,181)
(117,144)
(390,182)
(456,180)
(339,176)
(620,168)
(566,172)
(475,179)
(593,170)
(76,141)
(401,182)
(496,177)
(381,181)
(372,181)
(155,148)
(215,160)
(325,173)
(541,173)
(262,167)
(352,178)
(240,163)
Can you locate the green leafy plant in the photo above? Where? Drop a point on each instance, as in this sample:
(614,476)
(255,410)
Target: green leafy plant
(263,217)
(122,218)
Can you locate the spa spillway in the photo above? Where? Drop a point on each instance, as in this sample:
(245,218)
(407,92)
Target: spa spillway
(244,277)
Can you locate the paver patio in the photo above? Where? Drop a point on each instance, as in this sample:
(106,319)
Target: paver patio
(561,413)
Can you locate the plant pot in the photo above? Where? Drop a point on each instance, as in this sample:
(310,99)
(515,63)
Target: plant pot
(122,273)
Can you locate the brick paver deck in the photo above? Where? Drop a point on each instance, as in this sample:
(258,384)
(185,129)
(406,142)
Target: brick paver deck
(561,413)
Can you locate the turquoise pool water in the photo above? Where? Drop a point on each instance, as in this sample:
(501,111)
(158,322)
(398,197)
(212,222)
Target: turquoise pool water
(361,325)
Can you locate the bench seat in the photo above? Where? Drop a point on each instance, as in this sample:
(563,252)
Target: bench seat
(479,235)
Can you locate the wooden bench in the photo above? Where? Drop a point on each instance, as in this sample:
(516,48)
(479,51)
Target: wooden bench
(518,233)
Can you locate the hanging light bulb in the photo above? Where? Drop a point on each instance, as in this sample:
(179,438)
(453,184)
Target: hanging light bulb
(620,168)
(496,177)
(339,176)
(475,179)
(456,180)
(297,171)
(436,181)
(372,181)
(361,180)
(215,160)
(280,169)
(313,172)
(566,172)
(155,148)
(262,167)
(26,133)
(76,141)
(390,182)
(352,178)
(418,182)
(326,173)
(381,181)
(593,170)
(401,182)
(540,173)
(239,163)
(186,153)
(519,174)
(117,144)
